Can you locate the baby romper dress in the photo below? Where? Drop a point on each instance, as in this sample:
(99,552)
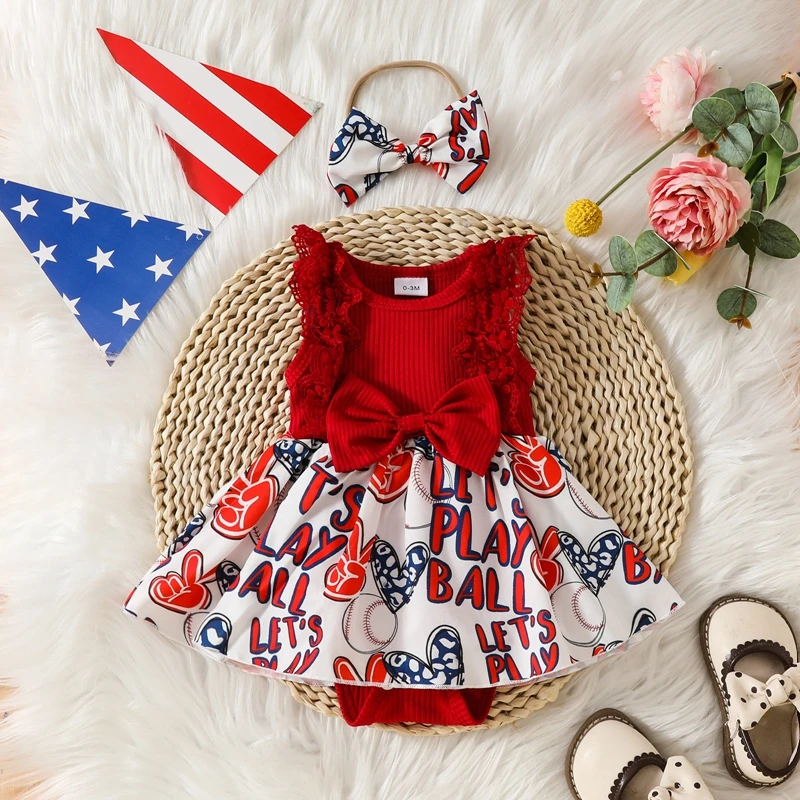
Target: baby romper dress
(411,531)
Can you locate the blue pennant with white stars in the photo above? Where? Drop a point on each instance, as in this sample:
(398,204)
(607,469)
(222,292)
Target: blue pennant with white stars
(110,266)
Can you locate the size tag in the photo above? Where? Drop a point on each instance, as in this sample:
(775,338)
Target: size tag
(413,287)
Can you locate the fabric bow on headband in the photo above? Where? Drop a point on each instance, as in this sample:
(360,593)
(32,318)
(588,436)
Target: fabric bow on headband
(455,143)
(752,698)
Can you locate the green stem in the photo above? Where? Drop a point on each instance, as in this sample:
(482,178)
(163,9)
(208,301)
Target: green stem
(787,103)
(784,92)
(722,131)
(751,259)
(644,163)
(644,265)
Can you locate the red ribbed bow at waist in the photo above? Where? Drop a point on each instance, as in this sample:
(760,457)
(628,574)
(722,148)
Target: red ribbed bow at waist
(364,425)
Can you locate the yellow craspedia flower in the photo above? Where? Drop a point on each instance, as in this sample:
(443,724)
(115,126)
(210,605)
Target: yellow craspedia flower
(583,218)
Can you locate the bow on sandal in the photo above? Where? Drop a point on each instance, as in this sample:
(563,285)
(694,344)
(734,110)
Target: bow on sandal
(680,779)
(611,759)
(756,698)
(751,654)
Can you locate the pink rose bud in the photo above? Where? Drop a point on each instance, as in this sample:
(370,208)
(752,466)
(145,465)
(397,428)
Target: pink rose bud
(676,83)
(697,204)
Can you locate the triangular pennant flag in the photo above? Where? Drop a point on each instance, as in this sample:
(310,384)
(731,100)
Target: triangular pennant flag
(110,266)
(225,129)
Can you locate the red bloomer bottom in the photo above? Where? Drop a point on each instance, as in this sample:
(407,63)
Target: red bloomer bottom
(365,705)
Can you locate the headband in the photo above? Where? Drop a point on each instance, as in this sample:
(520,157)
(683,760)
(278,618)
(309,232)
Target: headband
(455,143)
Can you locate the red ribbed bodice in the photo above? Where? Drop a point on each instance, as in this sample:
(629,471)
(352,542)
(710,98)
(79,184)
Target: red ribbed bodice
(414,349)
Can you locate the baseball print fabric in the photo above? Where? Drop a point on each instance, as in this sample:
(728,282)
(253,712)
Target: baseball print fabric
(415,572)
(455,143)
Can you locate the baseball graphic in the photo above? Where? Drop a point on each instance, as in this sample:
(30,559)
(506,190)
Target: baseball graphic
(583,500)
(579,614)
(419,483)
(192,624)
(422,471)
(368,624)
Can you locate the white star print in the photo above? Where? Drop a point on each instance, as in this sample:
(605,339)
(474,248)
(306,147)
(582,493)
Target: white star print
(72,304)
(135,217)
(128,311)
(160,268)
(44,253)
(103,348)
(77,211)
(25,209)
(190,230)
(102,259)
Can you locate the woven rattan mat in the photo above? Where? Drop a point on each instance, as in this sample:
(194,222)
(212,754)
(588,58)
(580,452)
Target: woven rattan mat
(604,393)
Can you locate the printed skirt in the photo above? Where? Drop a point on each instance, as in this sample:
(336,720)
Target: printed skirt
(414,572)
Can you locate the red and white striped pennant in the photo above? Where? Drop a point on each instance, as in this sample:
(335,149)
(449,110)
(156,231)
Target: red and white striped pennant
(225,129)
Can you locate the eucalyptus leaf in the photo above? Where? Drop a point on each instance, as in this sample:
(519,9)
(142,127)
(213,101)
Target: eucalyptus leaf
(785,136)
(730,305)
(751,290)
(621,289)
(748,237)
(763,110)
(678,255)
(712,115)
(734,96)
(790,163)
(772,170)
(735,145)
(649,245)
(778,240)
(622,255)
(757,192)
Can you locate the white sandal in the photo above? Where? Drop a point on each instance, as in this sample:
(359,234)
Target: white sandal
(611,759)
(751,653)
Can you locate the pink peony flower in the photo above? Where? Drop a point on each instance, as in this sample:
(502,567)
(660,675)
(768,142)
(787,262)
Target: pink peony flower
(697,204)
(676,83)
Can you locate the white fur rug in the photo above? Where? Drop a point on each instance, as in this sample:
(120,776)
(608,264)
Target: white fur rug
(107,710)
